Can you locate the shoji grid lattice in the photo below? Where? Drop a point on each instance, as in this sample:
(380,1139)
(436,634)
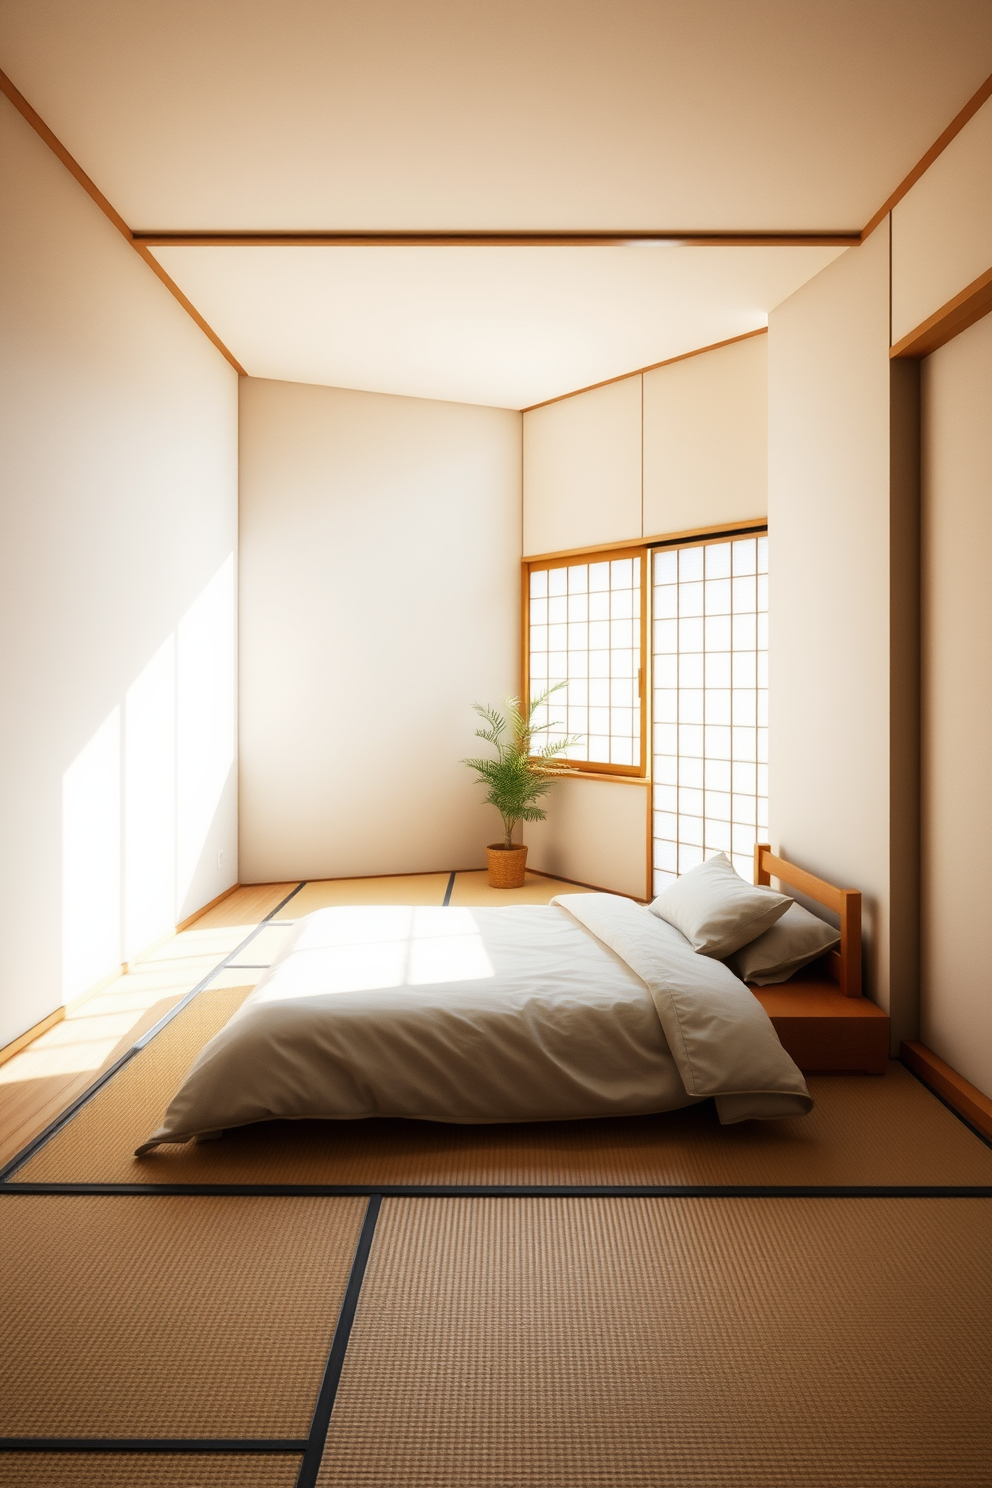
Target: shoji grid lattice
(710,713)
(585,630)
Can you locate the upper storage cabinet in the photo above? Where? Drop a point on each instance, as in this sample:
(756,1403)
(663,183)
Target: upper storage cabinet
(942,228)
(706,439)
(582,470)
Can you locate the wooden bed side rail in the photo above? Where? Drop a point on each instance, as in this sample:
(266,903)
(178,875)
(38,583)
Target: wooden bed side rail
(845,964)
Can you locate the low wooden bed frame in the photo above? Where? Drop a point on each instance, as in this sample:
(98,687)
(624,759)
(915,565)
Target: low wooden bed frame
(819,1014)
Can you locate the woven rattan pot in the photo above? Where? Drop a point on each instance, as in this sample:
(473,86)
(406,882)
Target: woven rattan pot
(506,866)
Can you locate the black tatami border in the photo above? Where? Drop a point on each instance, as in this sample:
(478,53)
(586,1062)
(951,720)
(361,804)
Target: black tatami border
(267,1447)
(380,1191)
(309,1449)
(64,1117)
(310,1466)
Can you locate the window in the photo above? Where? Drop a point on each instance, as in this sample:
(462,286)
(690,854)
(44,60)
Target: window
(710,703)
(587,628)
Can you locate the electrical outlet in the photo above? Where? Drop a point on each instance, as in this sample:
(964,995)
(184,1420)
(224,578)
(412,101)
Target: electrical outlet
(220,858)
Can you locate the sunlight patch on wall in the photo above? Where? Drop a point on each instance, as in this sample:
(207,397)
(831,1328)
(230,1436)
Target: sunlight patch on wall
(150,802)
(142,825)
(204,721)
(91,860)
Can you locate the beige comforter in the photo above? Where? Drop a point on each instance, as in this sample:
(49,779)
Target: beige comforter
(589,1006)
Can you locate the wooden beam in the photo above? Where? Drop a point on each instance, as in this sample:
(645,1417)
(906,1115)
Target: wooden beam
(515,238)
(971,305)
(938,147)
(93,191)
(958,1092)
(692,535)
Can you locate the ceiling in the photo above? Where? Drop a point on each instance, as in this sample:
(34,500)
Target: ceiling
(492,115)
(503,326)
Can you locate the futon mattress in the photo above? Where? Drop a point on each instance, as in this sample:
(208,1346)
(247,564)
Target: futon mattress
(590,1006)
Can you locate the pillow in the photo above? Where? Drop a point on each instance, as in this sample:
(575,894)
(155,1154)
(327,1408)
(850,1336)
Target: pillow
(793,941)
(716,910)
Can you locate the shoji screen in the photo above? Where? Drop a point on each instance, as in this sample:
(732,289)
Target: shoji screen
(586,630)
(710,705)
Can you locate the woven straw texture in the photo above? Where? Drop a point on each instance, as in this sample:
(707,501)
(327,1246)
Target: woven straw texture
(576,1343)
(864,1130)
(167,1316)
(145,1470)
(136,1098)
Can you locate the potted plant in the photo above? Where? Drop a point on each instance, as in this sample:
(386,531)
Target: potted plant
(517,777)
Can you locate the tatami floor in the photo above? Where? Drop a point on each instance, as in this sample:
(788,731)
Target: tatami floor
(651,1301)
(39,1082)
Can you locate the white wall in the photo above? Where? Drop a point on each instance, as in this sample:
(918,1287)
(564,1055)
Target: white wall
(117,538)
(956,1001)
(942,228)
(380,598)
(706,439)
(837,793)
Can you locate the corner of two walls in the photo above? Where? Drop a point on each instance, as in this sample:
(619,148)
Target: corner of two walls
(380,599)
(678,448)
(848,797)
(118,538)
(842,635)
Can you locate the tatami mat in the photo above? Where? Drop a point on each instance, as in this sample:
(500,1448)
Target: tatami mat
(169,1316)
(670,1344)
(413,888)
(246,906)
(145,1470)
(140,1091)
(473,889)
(864,1130)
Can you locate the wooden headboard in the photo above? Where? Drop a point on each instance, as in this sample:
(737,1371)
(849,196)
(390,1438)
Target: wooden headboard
(845,964)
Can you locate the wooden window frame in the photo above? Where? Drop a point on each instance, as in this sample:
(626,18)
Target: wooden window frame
(573,559)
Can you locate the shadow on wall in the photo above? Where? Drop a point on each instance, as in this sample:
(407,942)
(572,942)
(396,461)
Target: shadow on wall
(146,828)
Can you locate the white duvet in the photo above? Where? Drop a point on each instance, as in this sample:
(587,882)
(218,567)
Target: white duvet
(589,1006)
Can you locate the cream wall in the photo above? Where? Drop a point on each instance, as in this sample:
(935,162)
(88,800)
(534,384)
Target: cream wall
(380,598)
(834,654)
(942,228)
(956,997)
(595,833)
(706,439)
(117,538)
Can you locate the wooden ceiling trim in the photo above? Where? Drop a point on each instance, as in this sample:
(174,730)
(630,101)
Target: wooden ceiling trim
(653,367)
(646,238)
(971,305)
(93,191)
(938,147)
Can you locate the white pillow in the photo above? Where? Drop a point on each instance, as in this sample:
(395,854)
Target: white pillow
(716,910)
(793,941)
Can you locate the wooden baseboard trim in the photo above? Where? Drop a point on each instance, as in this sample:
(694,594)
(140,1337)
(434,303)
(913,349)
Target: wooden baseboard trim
(958,1092)
(204,909)
(30,1034)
